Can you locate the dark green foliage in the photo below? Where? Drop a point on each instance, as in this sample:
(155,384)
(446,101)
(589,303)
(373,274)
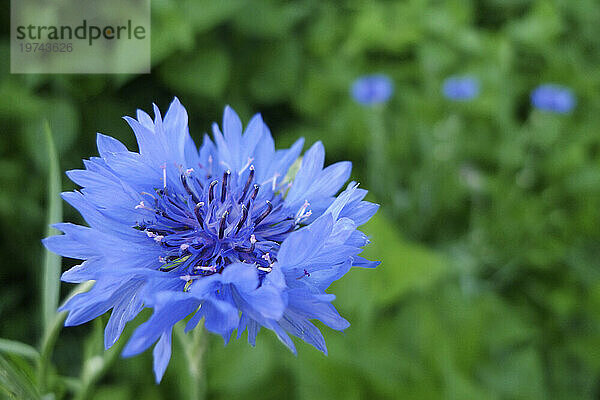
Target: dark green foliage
(489,233)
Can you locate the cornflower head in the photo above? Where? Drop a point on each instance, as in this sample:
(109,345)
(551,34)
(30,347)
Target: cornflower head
(372,89)
(460,88)
(553,98)
(222,233)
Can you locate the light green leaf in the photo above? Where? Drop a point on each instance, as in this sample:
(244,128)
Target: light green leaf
(51,334)
(19,348)
(51,266)
(14,383)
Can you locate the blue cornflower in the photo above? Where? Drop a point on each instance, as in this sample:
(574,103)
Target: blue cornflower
(372,89)
(461,88)
(553,98)
(220,233)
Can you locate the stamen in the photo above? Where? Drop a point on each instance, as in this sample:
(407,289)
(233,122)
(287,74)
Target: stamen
(148,194)
(247,185)
(143,206)
(211,193)
(248,163)
(187,188)
(264,213)
(198,215)
(196,250)
(242,219)
(302,214)
(245,249)
(255,192)
(164,168)
(267,257)
(224,185)
(223,225)
(173,263)
(223,163)
(168,268)
(306,273)
(209,268)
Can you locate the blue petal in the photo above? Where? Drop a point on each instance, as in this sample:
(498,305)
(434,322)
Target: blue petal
(305,242)
(219,317)
(253,328)
(72,245)
(129,307)
(252,136)
(145,119)
(164,317)
(358,261)
(312,306)
(232,129)
(176,132)
(282,336)
(243,276)
(331,179)
(107,144)
(304,329)
(312,164)
(88,270)
(102,297)
(139,173)
(162,355)
(322,278)
(190,152)
(149,143)
(267,301)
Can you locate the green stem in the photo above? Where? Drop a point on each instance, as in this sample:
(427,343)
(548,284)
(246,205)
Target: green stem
(194,350)
(95,367)
(51,265)
(50,336)
(377,162)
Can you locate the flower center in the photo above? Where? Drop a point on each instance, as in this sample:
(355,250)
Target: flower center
(207,224)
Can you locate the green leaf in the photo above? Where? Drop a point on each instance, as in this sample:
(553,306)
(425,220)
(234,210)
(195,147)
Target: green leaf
(19,348)
(205,72)
(51,334)
(62,115)
(270,19)
(51,266)
(405,266)
(277,76)
(14,383)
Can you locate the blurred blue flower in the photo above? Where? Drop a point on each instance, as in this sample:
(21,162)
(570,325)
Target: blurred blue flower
(461,88)
(372,89)
(221,233)
(553,98)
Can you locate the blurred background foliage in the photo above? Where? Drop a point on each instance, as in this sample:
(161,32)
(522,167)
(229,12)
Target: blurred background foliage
(488,232)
